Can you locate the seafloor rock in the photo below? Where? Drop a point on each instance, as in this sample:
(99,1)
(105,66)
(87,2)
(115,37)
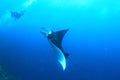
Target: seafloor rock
(4,75)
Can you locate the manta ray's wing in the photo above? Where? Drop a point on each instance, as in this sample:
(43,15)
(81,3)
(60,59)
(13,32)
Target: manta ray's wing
(60,56)
(60,34)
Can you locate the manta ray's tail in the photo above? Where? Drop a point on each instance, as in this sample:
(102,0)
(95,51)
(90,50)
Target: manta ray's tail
(67,56)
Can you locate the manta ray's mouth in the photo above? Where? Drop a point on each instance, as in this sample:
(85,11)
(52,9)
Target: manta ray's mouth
(45,31)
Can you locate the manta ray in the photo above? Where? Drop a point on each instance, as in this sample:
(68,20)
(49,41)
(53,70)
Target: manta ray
(55,40)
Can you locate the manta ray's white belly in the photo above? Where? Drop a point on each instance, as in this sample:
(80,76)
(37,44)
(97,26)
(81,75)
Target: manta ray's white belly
(60,56)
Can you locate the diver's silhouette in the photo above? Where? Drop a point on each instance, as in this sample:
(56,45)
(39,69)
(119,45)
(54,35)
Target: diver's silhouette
(17,15)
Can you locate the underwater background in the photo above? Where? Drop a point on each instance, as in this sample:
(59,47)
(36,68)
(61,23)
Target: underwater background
(93,39)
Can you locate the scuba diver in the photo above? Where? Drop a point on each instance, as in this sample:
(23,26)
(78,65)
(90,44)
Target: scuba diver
(17,15)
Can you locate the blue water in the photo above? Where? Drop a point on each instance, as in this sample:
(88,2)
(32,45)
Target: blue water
(93,39)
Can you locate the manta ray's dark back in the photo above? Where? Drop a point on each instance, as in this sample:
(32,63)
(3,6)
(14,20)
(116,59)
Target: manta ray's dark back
(60,34)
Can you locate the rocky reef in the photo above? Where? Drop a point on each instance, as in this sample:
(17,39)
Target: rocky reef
(5,75)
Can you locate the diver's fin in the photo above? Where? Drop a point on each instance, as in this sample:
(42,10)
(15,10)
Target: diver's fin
(60,34)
